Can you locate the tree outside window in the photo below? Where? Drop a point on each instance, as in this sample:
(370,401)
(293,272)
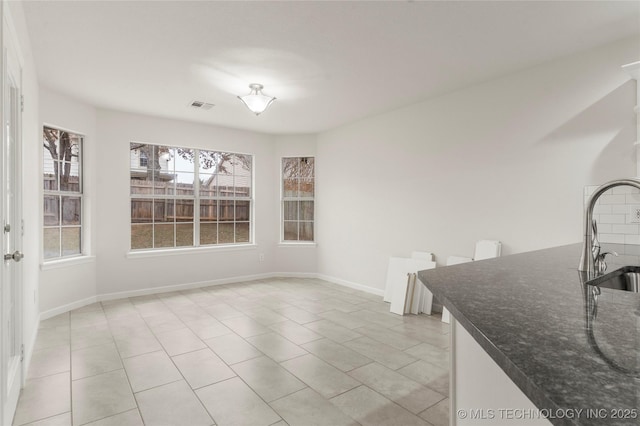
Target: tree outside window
(184,197)
(298,202)
(62,181)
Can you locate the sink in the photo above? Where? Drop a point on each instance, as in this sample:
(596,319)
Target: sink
(604,296)
(626,278)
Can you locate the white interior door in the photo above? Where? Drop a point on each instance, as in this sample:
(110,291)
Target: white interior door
(11,289)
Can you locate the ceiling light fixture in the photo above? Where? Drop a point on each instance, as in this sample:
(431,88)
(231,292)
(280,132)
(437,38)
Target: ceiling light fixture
(256,101)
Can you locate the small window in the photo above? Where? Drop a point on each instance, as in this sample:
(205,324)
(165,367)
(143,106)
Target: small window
(144,159)
(62,180)
(298,199)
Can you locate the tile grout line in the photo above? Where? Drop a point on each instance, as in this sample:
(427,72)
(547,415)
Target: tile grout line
(193,391)
(124,370)
(316,294)
(382,396)
(71,370)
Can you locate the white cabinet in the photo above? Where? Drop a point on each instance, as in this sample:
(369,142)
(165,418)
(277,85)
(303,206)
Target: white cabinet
(481,392)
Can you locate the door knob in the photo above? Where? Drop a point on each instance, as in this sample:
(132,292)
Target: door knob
(17,256)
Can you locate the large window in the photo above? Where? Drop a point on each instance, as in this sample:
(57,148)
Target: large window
(62,179)
(183,197)
(298,189)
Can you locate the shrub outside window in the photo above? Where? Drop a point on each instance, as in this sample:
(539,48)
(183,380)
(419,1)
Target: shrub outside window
(62,184)
(298,203)
(184,197)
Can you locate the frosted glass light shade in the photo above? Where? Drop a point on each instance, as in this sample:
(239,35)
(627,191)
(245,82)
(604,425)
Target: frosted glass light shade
(256,101)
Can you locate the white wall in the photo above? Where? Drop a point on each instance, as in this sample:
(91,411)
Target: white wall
(505,160)
(110,270)
(117,271)
(65,282)
(293,258)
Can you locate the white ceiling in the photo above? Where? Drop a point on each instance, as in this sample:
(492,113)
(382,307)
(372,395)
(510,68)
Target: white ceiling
(328,63)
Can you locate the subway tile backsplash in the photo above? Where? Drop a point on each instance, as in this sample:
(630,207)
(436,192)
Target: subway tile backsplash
(616,213)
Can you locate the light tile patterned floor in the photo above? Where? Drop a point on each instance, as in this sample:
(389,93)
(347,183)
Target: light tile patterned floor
(271,352)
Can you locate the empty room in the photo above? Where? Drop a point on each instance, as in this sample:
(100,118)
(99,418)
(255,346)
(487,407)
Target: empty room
(320,213)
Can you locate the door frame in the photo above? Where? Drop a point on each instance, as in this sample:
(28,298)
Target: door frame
(11,65)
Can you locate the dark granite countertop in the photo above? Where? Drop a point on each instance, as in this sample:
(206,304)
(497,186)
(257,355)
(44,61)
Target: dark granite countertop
(529,313)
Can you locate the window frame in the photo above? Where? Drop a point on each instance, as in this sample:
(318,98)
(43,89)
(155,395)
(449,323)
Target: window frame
(59,193)
(284,198)
(143,159)
(196,198)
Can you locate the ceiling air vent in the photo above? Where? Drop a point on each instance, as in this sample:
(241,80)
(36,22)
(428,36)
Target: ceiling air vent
(201,105)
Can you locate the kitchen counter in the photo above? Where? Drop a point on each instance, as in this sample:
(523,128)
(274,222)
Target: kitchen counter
(528,312)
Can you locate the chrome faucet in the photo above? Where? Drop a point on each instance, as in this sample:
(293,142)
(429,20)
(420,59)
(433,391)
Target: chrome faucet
(599,258)
(590,246)
(600,261)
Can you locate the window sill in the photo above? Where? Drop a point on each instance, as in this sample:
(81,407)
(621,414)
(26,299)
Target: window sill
(301,244)
(189,250)
(66,263)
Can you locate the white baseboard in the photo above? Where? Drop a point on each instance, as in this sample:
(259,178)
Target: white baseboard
(165,289)
(356,286)
(28,350)
(68,307)
(178,287)
(293,275)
